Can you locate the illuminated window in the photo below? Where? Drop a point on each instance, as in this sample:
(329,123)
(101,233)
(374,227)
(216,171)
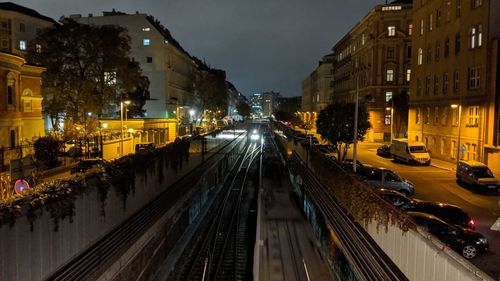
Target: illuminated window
(454,116)
(473,37)
(146,29)
(391,30)
(420,56)
(388,96)
(408,75)
(422,27)
(387,119)
(430,22)
(38,48)
(146,42)
(473,118)
(22,45)
(389,75)
(410,29)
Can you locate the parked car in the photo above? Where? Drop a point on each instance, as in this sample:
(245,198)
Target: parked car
(384,178)
(384,151)
(449,213)
(86,165)
(466,242)
(477,175)
(411,152)
(144,146)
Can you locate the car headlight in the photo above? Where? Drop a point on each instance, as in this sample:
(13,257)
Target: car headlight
(483,241)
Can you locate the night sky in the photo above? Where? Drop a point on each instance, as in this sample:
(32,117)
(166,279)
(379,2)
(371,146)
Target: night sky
(262,44)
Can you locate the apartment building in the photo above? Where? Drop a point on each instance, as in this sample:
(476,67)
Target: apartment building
(168,66)
(317,91)
(455,79)
(373,60)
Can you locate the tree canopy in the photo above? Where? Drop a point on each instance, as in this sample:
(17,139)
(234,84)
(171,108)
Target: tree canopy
(88,70)
(243,109)
(335,123)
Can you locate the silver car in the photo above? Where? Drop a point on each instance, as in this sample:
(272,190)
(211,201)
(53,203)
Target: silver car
(384,178)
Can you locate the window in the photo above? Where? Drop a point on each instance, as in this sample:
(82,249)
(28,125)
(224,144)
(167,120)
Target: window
(22,45)
(420,56)
(453,149)
(445,83)
(456,81)
(408,52)
(387,119)
(448,10)
(410,29)
(146,29)
(476,3)
(436,115)
(479,35)
(38,48)
(10,95)
(391,30)
(419,87)
(22,27)
(417,115)
(149,59)
(427,116)
(473,118)
(146,42)
(28,106)
(438,18)
(422,27)
(363,39)
(458,8)
(442,146)
(444,116)
(12,138)
(430,22)
(391,53)
(408,75)
(457,43)
(429,54)
(474,152)
(454,120)
(388,96)
(438,51)
(436,85)
(427,85)
(390,75)
(472,37)
(474,78)
(446,47)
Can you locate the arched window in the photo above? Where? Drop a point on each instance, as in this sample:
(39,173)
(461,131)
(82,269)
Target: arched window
(12,138)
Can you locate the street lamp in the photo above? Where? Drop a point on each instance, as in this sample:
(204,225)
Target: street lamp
(122,105)
(391,109)
(459,106)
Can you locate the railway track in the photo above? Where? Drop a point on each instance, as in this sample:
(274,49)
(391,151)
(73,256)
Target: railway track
(219,251)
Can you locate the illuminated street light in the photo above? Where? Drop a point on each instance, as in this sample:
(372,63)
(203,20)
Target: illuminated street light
(459,106)
(105,125)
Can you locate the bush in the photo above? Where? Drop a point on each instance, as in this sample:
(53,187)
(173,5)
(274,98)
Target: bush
(46,150)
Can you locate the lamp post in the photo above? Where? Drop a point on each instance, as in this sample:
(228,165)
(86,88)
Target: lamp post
(391,109)
(122,105)
(459,106)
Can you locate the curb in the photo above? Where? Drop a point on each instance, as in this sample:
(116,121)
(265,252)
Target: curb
(443,168)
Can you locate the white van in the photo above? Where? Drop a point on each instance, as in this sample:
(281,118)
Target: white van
(412,152)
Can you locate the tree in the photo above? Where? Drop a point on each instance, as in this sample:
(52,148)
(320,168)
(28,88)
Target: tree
(243,109)
(401,108)
(46,150)
(335,123)
(88,70)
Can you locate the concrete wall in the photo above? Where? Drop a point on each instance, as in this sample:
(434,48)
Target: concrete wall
(33,255)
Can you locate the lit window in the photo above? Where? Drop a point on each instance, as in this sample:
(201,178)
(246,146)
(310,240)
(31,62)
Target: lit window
(38,48)
(391,30)
(430,22)
(363,39)
(22,45)
(454,114)
(387,119)
(479,35)
(146,42)
(388,96)
(146,29)
(473,119)
(422,26)
(473,37)
(408,75)
(390,75)
(420,56)
(410,29)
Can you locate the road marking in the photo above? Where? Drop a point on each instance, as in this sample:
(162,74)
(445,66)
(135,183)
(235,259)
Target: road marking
(496,225)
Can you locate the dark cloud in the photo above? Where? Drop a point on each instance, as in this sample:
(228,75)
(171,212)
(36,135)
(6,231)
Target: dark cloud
(262,44)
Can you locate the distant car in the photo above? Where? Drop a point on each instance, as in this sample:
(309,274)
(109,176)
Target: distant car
(86,165)
(477,175)
(384,178)
(396,198)
(384,151)
(144,146)
(466,242)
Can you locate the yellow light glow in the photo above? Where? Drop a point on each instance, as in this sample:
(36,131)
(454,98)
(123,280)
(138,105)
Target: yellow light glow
(105,125)
(454,105)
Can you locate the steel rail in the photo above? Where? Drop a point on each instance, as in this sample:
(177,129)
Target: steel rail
(87,263)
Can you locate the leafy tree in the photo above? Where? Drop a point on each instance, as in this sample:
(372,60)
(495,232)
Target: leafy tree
(46,150)
(88,70)
(243,109)
(335,123)
(401,107)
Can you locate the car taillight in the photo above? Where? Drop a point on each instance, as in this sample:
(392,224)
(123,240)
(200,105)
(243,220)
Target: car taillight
(472,224)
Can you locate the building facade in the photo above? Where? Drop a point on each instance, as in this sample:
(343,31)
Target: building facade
(18,26)
(269,103)
(374,60)
(317,91)
(168,66)
(21,119)
(454,89)
(256,104)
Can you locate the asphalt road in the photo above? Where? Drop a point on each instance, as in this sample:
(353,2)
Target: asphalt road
(435,184)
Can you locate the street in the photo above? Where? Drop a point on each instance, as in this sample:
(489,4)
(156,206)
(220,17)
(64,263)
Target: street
(436,184)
